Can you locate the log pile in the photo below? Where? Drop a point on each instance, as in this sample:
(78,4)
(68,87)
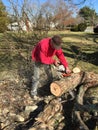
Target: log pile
(85,80)
(51,118)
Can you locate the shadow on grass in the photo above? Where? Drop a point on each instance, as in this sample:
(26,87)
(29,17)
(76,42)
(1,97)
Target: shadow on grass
(81,53)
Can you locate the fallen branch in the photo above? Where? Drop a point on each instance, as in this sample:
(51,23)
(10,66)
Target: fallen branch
(91,80)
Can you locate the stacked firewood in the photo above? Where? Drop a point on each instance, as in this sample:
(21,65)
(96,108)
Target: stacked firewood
(51,118)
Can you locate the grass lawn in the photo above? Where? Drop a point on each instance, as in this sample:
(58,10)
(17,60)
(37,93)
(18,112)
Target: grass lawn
(80,49)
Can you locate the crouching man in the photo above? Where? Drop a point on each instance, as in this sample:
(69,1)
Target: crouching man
(43,57)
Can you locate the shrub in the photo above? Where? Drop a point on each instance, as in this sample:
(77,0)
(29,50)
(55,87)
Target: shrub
(74,28)
(82,27)
(79,27)
(3,26)
(95,29)
(3,18)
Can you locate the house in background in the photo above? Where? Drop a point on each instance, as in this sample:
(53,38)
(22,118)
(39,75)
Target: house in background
(13,26)
(23,26)
(89,29)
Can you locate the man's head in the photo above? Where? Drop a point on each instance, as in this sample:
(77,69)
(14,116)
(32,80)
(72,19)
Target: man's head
(56,42)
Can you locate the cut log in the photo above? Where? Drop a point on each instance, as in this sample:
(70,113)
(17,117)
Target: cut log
(76,70)
(67,84)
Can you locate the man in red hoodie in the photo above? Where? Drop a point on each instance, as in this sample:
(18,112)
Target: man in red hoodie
(43,57)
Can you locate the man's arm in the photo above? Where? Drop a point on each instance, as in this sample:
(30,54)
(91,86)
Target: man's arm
(61,57)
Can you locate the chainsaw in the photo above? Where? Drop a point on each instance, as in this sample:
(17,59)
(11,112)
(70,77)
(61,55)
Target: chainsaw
(62,70)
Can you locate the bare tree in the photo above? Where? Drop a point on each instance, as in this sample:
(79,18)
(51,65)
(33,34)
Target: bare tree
(43,16)
(58,13)
(23,10)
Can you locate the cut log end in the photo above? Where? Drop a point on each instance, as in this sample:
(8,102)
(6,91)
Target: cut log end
(76,70)
(55,89)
